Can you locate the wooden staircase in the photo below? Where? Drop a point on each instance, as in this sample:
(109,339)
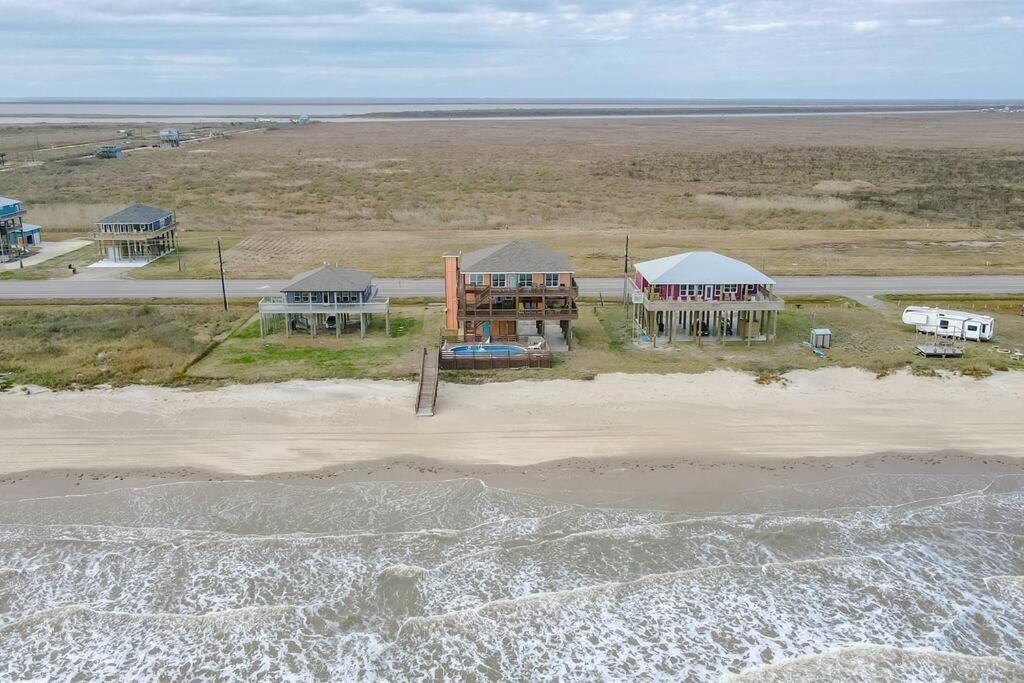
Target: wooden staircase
(426,395)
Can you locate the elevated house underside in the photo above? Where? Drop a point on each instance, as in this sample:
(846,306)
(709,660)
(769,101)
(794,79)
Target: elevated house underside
(136,245)
(692,312)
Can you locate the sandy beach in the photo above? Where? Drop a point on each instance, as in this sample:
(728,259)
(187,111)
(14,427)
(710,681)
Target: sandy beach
(255,430)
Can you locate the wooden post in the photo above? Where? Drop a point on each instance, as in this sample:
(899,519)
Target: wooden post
(387,321)
(261,325)
(362,325)
(223,285)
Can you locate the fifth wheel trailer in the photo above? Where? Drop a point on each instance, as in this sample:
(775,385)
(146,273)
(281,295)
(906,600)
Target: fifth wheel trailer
(947,323)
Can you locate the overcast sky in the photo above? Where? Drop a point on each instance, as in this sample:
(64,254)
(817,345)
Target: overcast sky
(513,48)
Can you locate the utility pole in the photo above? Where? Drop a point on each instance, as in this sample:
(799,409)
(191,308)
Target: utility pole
(625,274)
(223,286)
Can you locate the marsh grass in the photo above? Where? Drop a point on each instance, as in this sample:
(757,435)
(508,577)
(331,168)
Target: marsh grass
(389,198)
(68,346)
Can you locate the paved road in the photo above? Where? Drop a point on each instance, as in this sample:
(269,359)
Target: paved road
(857,287)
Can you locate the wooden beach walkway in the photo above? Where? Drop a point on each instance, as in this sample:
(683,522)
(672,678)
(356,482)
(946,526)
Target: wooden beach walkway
(426,396)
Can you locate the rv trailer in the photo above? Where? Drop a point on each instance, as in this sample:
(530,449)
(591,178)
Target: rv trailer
(947,323)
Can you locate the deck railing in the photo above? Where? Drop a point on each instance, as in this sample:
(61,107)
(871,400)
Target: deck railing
(762,301)
(277,304)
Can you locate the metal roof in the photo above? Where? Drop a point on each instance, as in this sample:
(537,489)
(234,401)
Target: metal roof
(329,279)
(515,257)
(701,268)
(136,214)
(7,201)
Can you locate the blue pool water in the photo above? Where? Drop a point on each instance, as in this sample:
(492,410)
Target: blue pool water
(488,350)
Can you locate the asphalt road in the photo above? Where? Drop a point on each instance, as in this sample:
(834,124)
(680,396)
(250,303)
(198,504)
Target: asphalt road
(856,287)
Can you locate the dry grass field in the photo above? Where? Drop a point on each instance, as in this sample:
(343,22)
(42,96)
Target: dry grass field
(78,346)
(798,195)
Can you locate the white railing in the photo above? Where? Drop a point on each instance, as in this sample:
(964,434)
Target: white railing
(277,304)
(762,301)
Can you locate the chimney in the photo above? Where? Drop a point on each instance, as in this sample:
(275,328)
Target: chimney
(451,291)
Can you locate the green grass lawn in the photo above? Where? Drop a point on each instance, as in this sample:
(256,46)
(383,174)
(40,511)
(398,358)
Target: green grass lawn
(198,258)
(247,357)
(55,267)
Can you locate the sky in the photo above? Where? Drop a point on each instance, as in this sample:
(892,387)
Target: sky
(852,49)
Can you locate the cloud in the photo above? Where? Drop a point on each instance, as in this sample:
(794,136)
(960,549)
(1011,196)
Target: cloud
(757,28)
(509,47)
(866,26)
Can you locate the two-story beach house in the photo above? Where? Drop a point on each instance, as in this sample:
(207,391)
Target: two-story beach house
(326,298)
(510,290)
(136,235)
(17,238)
(701,294)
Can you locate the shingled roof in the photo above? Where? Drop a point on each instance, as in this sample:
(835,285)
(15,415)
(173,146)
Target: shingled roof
(515,257)
(137,214)
(329,279)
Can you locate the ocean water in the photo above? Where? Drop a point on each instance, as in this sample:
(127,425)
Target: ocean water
(457,580)
(20,111)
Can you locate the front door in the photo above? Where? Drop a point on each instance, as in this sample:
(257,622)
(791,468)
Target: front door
(709,292)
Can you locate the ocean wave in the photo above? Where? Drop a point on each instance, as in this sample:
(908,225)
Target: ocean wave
(883,663)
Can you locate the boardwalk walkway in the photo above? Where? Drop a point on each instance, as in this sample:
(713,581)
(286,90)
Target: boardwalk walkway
(426,396)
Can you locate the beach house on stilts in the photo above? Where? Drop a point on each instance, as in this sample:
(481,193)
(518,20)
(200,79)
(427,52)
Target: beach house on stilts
(329,298)
(136,235)
(511,291)
(702,295)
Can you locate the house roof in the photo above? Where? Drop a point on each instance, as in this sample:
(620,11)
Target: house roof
(7,201)
(701,268)
(515,257)
(137,214)
(329,279)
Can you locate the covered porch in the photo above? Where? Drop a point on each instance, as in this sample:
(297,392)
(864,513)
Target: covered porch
(317,318)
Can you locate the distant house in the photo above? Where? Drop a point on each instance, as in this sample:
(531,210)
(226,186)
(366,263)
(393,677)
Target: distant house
(701,294)
(17,238)
(326,298)
(170,136)
(510,290)
(109,152)
(137,235)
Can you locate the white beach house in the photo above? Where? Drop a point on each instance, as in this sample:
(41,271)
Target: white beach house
(701,294)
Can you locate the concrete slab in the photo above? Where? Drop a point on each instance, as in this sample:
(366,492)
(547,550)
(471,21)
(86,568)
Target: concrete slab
(122,264)
(47,251)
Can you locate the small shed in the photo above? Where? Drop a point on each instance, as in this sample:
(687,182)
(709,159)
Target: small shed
(821,338)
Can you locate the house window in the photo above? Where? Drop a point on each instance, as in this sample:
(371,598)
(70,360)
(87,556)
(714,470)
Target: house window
(498,280)
(943,324)
(551,279)
(730,289)
(476,280)
(525,279)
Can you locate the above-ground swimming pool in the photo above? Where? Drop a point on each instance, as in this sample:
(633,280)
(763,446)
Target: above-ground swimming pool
(487,350)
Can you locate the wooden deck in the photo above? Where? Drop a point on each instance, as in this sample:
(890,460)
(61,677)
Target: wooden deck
(426,394)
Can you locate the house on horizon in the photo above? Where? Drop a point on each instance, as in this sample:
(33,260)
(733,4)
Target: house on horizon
(17,238)
(701,294)
(136,235)
(511,290)
(327,298)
